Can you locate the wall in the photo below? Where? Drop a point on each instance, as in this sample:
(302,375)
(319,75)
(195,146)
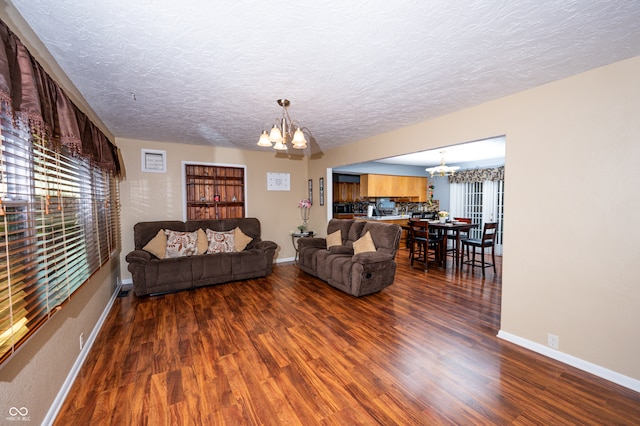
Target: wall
(37,372)
(572,148)
(157,196)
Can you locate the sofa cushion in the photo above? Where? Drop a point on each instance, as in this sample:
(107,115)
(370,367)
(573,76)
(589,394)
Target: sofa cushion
(220,241)
(158,245)
(334,239)
(181,244)
(340,224)
(247,263)
(355,232)
(364,244)
(386,238)
(241,240)
(341,250)
(169,274)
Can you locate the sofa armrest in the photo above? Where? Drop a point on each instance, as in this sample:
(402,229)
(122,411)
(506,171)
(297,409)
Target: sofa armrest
(265,245)
(372,257)
(312,242)
(138,256)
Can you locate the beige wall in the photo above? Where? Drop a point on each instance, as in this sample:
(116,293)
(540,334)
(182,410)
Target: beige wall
(571,253)
(159,196)
(35,375)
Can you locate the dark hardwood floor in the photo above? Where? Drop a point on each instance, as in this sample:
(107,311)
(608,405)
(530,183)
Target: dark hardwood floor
(289,349)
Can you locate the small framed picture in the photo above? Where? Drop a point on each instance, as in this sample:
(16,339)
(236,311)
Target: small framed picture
(321,185)
(311,191)
(278,181)
(154,161)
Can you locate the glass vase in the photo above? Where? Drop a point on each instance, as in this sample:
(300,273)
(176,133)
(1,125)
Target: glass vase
(305,213)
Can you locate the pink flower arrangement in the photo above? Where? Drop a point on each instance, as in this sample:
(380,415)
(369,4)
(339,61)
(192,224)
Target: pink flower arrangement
(304,204)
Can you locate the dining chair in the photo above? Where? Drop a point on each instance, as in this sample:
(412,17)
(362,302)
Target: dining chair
(451,235)
(487,241)
(424,247)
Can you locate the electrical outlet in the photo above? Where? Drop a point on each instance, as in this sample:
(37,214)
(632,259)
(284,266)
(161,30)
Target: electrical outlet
(81,341)
(552,341)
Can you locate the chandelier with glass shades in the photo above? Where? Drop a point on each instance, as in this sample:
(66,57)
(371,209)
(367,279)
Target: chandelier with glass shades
(282,131)
(442,170)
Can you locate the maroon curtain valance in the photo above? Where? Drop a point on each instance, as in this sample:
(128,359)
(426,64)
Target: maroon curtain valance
(33,98)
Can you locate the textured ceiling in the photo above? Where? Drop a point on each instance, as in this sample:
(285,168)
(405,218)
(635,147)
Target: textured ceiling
(209,72)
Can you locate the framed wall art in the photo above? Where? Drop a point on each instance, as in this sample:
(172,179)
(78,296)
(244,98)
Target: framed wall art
(278,182)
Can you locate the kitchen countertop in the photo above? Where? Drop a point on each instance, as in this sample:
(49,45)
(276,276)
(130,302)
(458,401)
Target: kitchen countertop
(389,217)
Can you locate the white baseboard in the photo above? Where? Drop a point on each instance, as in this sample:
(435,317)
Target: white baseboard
(285,259)
(573,361)
(71,377)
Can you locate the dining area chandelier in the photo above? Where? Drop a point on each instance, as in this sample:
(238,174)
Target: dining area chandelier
(442,170)
(283,131)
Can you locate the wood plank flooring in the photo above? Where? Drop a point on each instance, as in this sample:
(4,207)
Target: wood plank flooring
(290,350)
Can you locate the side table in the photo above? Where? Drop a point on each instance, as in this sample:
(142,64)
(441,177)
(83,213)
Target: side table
(295,236)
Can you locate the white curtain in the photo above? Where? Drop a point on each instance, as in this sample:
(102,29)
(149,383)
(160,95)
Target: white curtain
(457,193)
(489,201)
(490,208)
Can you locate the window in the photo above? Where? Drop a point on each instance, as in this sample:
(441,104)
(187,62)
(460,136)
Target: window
(482,202)
(59,223)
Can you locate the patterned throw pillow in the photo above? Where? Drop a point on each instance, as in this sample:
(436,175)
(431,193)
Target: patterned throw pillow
(220,242)
(181,243)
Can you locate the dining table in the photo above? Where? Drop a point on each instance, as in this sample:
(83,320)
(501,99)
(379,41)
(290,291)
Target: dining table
(443,230)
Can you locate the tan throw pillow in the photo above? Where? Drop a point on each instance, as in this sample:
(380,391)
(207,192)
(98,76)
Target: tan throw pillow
(241,240)
(364,244)
(203,243)
(158,245)
(181,243)
(220,242)
(334,239)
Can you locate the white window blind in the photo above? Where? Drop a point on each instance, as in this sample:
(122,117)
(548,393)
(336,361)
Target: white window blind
(58,225)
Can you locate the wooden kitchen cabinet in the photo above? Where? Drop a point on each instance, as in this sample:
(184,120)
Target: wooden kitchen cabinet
(346,192)
(377,185)
(413,187)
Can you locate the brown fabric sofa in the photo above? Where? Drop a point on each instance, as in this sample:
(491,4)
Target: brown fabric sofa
(357,274)
(152,275)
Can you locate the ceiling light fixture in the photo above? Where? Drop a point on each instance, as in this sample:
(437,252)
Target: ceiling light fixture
(442,170)
(282,130)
